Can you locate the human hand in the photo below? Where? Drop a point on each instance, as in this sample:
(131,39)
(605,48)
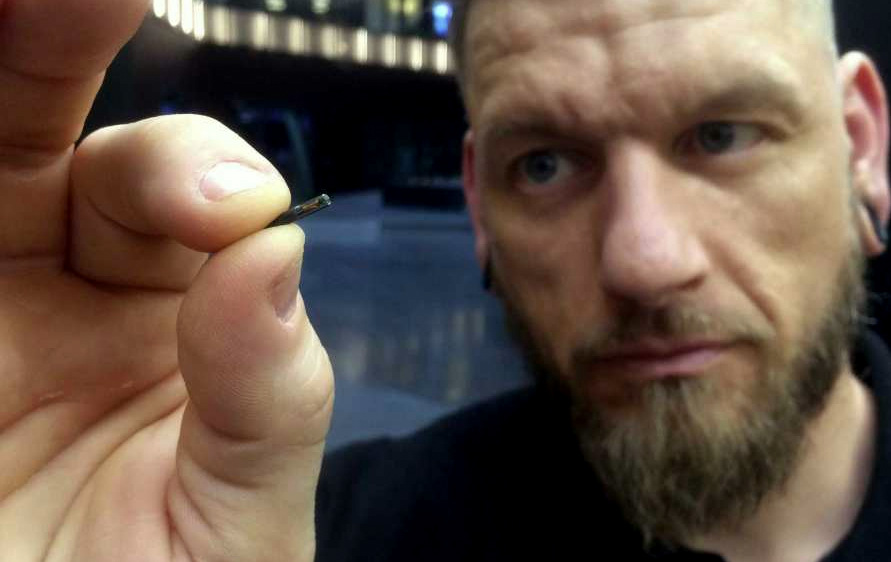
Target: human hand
(154,404)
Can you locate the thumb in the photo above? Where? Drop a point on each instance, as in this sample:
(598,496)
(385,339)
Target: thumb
(261,393)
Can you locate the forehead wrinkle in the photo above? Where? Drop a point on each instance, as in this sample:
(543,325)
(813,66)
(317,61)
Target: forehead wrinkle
(622,69)
(686,79)
(502,34)
(510,25)
(514,28)
(524,98)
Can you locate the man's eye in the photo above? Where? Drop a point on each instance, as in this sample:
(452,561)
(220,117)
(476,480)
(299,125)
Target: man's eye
(543,167)
(723,137)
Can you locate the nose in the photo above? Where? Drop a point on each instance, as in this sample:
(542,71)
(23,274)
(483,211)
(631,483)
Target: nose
(651,246)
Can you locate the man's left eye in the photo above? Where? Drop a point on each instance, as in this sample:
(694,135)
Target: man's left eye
(723,137)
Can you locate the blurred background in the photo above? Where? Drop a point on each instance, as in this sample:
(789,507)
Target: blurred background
(356,98)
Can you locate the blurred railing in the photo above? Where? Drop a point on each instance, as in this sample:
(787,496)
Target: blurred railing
(357,32)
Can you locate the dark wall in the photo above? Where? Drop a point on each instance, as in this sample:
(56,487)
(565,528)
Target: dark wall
(148,69)
(365,127)
(864,25)
(360,121)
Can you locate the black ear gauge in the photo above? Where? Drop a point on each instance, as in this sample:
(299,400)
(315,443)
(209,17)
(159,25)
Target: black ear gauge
(877,225)
(487,275)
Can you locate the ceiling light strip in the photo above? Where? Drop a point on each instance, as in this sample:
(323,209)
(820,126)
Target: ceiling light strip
(263,31)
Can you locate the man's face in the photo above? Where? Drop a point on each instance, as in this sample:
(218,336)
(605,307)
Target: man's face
(664,192)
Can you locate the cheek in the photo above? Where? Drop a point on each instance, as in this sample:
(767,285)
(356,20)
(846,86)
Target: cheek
(792,236)
(546,272)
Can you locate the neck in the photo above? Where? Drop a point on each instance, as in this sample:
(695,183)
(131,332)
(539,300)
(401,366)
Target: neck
(820,503)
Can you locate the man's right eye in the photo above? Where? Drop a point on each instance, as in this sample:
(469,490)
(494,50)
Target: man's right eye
(543,168)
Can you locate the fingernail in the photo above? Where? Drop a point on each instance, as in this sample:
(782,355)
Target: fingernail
(284,295)
(228,178)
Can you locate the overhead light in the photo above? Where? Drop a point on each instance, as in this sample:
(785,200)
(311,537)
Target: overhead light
(259,31)
(442,17)
(298,40)
(276,5)
(442,9)
(411,7)
(173,12)
(390,50)
(441,57)
(360,45)
(329,42)
(416,54)
(199,20)
(188,17)
(321,7)
(219,24)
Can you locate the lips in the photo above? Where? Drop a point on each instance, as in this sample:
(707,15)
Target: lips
(656,359)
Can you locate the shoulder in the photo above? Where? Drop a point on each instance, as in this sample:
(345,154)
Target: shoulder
(429,494)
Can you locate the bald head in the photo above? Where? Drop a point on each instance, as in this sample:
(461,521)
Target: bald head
(819,15)
(816,16)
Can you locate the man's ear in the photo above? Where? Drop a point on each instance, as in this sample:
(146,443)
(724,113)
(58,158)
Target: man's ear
(472,196)
(866,121)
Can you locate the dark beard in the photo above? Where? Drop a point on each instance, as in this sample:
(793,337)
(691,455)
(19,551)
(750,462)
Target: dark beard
(682,470)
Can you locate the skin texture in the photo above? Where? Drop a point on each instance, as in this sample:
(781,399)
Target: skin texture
(636,218)
(816,16)
(154,403)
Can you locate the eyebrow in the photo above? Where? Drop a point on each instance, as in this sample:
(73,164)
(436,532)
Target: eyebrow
(761,91)
(527,126)
(526,122)
(746,93)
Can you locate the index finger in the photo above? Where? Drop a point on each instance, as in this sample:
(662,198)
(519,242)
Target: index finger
(53,54)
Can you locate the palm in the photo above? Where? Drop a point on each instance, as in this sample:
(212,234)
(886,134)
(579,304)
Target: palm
(81,352)
(151,405)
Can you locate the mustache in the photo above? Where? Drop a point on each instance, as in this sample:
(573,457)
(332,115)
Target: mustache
(672,323)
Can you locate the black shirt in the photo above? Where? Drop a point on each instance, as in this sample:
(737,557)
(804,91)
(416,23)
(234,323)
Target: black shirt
(505,480)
